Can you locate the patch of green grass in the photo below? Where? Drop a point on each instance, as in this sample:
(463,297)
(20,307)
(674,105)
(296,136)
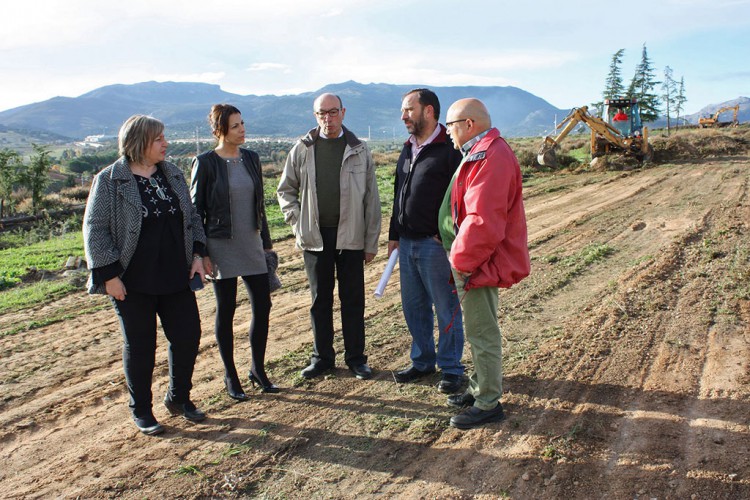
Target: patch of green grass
(50,320)
(235,449)
(48,255)
(188,470)
(426,426)
(36,294)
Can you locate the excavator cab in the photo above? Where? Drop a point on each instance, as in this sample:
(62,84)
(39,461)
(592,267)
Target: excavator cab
(613,108)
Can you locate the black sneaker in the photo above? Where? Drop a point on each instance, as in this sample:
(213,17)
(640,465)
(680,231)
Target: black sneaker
(475,417)
(148,425)
(461,400)
(313,371)
(411,374)
(187,410)
(451,383)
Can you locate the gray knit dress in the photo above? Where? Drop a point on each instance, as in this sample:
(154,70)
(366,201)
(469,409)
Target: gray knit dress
(242,254)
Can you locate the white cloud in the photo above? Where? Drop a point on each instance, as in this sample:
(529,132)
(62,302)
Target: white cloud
(267,66)
(190,77)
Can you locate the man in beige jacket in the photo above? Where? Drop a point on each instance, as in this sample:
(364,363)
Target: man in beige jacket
(328,193)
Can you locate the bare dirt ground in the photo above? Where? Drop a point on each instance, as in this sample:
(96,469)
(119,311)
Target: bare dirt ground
(627,374)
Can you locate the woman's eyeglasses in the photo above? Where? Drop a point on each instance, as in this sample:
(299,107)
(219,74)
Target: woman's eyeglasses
(159,190)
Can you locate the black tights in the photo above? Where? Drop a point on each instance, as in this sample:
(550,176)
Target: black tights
(226,303)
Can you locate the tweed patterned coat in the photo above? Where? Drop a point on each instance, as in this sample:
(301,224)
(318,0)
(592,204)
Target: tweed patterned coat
(112,221)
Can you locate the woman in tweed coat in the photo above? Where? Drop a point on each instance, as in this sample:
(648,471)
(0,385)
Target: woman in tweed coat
(143,242)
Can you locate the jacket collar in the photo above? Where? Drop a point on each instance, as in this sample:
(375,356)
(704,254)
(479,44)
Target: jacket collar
(121,169)
(442,136)
(481,141)
(314,134)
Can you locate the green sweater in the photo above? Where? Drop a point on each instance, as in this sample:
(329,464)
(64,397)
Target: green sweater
(329,155)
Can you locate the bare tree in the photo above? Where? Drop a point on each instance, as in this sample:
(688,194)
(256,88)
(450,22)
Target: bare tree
(680,99)
(669,89)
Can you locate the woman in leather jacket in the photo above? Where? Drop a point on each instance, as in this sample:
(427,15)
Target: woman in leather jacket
(227,191)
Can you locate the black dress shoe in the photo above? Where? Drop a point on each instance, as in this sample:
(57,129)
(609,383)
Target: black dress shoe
(313,371)
(474,417)
(362,372)
(187,410)
(266,386)
(234,389)
(148,425)
(411,374)
(451,383)
(461,400)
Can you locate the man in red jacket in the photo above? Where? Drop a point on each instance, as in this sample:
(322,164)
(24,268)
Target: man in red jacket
(483,226)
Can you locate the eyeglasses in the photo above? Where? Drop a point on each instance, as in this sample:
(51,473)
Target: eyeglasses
(159,190)
(450,124)
(330,112)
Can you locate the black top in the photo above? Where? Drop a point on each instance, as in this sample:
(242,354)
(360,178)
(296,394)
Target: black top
(158,265)
(419,187)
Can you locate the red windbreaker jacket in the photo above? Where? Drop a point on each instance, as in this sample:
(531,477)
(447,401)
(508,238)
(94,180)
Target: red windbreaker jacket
(487,207)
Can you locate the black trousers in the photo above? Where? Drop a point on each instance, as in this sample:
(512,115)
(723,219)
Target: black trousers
(226,303)
(180,320)
(347,266)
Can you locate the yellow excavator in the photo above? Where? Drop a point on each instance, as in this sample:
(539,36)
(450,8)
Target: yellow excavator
(713,121)
(620,131)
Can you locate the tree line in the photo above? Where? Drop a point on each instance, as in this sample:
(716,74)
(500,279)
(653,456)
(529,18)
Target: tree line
(645,87)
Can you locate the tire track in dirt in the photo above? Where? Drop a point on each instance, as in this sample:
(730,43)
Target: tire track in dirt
(670,308)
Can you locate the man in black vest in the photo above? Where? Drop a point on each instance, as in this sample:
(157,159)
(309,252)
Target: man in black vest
(423,172)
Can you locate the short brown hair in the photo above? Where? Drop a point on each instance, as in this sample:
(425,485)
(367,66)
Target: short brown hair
(427,97)
(136,135)
(218,118)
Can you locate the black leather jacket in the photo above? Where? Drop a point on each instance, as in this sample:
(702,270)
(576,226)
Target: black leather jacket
(209,189)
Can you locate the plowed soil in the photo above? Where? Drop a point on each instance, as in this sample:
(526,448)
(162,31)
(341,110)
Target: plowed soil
(626,358)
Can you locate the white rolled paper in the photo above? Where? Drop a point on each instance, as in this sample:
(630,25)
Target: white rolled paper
(387,273)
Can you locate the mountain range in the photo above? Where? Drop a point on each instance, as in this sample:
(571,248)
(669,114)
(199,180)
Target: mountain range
(373,110)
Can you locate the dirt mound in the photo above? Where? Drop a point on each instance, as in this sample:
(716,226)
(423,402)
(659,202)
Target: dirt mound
(697,144)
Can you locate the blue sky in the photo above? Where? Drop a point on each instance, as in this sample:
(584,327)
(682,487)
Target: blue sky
(557,50)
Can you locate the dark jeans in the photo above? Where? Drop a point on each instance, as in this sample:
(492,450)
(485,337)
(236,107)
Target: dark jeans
(226,303)
(181,324)
(348,267)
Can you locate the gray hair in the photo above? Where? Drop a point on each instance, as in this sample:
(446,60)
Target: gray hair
(136,135)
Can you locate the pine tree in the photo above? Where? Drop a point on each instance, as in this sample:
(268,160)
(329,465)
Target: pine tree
(669,89)
(613,86)
(642,88)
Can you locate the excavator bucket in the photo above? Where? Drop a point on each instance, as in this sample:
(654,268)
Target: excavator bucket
(546,156)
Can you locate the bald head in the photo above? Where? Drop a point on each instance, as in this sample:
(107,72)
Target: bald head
(471,108)
(469,118)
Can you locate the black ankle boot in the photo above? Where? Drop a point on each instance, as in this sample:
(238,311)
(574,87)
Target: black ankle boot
(234,389)
(263,383)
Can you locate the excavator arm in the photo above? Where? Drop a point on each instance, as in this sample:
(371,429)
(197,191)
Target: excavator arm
(547,156)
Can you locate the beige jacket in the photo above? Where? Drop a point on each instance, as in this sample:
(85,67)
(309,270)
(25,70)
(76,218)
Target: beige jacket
(359,218)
